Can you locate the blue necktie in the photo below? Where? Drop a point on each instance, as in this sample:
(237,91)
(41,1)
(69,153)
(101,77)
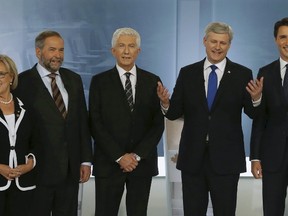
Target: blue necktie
(212,86)
(285,83)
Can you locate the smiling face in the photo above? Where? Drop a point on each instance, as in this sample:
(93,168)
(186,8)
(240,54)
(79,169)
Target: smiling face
(217,46)
(5,79)
(282,42)
(51,56)
(126,51)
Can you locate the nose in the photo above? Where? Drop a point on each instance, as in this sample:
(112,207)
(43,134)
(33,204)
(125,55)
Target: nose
(218,46)
(126,50)
(58,53)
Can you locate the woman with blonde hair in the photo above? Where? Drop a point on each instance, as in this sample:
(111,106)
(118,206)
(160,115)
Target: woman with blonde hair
(17,158)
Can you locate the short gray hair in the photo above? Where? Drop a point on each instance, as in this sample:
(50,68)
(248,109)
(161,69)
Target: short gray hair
(42,36)
(125,31)
(219,28)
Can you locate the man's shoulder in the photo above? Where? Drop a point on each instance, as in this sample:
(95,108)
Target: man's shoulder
(193,65)
(237,66)
(147,73)
(68,72)
(104,74)
(26,73)
(270,65)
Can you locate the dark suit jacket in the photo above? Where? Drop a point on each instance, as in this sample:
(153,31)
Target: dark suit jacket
(269,130)
(25,142)
(222,123)
(62,144)
(117,131)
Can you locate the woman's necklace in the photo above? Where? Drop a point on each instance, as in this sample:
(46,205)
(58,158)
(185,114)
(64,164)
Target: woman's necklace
(7,102)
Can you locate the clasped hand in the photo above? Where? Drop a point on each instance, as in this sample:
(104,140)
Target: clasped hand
(128,162)
(12,173)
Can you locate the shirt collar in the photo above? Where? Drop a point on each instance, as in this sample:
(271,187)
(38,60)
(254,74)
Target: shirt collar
(283,64)
(121,71)
(43,72)
(221,65)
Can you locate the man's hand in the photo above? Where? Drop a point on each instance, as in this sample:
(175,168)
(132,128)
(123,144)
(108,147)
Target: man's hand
(255,88)
(163,95)
(85,172)
(128,162)
(256,169)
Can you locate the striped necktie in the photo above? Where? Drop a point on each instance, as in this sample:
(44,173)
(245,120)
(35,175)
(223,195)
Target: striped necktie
(128,91)
(57,95)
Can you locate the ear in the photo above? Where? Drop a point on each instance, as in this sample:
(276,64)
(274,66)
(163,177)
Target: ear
(38,52)
(204,40)
(113,51)
(139,50)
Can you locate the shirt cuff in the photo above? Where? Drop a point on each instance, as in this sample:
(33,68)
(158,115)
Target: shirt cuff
(117,161)
(164,109)
(137,157)
(257,102)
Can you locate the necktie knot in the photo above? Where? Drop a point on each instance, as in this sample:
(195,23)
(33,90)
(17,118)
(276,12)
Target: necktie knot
(52,75)
(213,67)
(127,74)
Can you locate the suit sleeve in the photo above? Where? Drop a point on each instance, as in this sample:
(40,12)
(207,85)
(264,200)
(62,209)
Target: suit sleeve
(86,146)
(176,108)
(258,127)
(249,109)
(154,134)
(101,136)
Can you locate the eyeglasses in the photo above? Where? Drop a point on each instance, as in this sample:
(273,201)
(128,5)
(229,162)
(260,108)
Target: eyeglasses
(3,74)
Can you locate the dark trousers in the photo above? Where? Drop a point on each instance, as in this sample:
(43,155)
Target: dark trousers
(109,192)
(14,202)
(274,189)
(58,200)
(196,189)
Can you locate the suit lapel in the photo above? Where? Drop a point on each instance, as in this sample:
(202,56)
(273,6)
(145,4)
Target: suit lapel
(139,88)
(275,80)
(69,89)
(116,85)
(225,81)
(43,99)
(199,83)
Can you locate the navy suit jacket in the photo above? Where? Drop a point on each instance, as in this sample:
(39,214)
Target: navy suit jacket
(117,131)
(222,123)
(63,144)
(270,130)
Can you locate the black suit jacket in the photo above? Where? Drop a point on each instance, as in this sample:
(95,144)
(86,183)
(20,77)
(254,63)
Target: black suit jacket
(62,144)
(117,131)
(25,144)
(222,123)
(270,130)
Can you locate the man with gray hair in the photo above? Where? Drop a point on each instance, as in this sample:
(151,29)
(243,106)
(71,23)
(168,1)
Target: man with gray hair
(210,95)
(126,124)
